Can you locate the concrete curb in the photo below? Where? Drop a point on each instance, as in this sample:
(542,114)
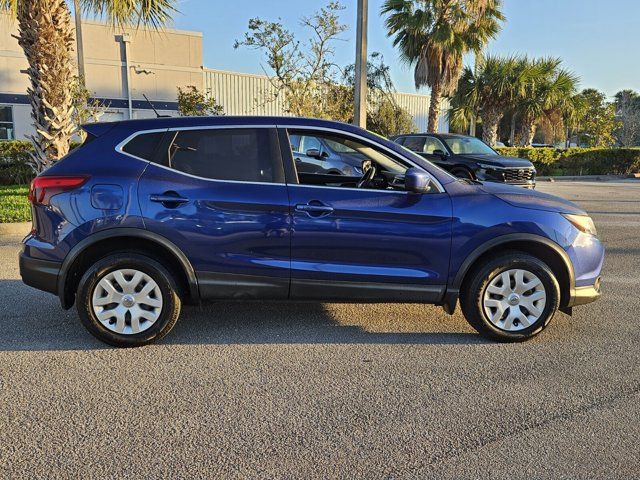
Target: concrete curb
(21,228)
(589,178)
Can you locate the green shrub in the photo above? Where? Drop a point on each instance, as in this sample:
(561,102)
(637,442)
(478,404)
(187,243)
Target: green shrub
(14,169)
(14,206)
(578,161)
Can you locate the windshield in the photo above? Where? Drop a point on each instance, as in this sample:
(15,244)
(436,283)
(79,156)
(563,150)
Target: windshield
(469,145)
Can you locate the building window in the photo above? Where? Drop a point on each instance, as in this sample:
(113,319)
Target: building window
(6,123)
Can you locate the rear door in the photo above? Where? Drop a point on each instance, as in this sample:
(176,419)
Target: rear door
(219,195)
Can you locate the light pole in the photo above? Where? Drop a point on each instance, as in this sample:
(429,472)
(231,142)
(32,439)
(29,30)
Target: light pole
(360,107)
(79,45)
(476,68)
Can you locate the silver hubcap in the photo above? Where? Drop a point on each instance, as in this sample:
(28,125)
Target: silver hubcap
(514,300)
(127,301)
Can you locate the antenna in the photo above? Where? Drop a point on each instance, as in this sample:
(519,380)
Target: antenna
(154,108)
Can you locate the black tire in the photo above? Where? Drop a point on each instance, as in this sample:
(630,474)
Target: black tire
(472,295)
(461,172)
(169,312)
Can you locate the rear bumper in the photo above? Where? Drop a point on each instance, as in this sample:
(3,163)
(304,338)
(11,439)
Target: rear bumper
(40,274)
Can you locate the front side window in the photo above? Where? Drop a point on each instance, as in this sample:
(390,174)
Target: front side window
(241,154)
(432,144)
(6,123)
(355,164)
(311,143)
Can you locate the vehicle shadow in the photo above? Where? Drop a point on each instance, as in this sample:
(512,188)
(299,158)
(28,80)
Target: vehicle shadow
(34,321)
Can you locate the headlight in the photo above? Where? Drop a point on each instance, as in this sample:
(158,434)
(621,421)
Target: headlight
(484,166)
(584,223)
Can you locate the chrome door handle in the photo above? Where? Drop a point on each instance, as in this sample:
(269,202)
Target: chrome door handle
(168,199)
(314,209)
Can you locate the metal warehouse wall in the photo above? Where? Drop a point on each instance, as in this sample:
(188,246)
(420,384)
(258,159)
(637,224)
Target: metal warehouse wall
(246,94)
(243,94)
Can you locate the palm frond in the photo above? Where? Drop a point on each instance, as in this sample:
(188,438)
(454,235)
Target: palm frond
(9,6)
(153,13)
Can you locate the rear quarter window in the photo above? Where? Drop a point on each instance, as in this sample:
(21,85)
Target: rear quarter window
(144,146)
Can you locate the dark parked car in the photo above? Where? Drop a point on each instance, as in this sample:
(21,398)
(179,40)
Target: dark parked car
(469,157)
(150,214)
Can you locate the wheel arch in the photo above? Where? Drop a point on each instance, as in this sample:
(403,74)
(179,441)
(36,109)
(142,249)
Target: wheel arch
(136,240)
(543,248)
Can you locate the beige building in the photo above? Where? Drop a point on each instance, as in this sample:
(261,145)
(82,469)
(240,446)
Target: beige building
(120,64)
(123,64)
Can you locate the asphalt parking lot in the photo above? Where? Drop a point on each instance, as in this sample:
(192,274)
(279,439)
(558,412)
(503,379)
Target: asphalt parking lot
(282,390)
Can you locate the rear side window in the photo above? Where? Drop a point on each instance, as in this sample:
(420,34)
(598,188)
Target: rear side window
(144,146)
(242,154)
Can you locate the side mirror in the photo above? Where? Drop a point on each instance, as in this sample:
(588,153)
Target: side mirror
(440,153)
(417,181)
(314,153)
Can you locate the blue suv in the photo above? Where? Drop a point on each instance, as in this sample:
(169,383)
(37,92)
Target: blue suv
(150,214)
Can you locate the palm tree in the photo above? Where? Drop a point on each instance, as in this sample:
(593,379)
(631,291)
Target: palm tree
(46,37)
(434,35)
(490,91)
(547,97)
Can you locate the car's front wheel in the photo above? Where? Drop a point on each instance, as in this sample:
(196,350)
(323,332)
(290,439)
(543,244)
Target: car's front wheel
(128,300)
(510,298)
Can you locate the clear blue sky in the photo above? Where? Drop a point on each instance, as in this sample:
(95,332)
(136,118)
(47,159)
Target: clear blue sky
(599,40)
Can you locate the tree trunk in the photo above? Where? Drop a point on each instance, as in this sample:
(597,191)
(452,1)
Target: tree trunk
(512,132)
(46,36)
(434,108)
(490,122)
(527,132)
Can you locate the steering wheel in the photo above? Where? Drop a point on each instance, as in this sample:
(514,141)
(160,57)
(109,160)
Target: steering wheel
(368,175)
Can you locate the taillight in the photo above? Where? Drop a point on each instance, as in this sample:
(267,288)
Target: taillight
(43,188)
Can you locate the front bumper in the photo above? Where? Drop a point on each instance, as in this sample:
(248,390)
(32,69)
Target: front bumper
(40,274)
(584,295)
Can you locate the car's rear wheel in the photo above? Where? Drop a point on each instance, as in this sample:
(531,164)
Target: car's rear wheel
(510,298)
(128,300)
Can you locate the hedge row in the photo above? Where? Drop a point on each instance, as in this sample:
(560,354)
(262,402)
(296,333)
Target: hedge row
(579,161)
(14,169)
(14,166)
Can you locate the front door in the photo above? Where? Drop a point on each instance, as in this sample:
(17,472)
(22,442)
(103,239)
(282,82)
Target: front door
(376,243)
(220,196)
